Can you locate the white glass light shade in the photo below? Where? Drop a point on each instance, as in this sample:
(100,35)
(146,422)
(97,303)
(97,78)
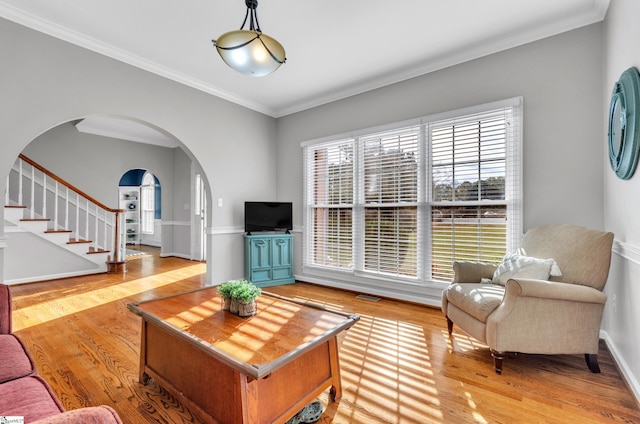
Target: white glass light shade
(247,52)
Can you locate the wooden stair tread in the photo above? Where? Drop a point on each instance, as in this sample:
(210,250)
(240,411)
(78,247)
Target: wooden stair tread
(57,231)
(92,251)
(15,206)
(35,219)
(76,241)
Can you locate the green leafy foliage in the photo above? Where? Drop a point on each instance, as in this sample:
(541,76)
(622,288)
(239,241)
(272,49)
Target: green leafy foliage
(241,290)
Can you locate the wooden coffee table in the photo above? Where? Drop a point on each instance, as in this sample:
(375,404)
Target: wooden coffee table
(227,369)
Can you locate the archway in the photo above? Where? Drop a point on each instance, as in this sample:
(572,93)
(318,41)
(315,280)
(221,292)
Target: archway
(140,196)
(98,162)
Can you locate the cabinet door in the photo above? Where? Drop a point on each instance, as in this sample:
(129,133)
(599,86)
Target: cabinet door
(281,251)
(260,260)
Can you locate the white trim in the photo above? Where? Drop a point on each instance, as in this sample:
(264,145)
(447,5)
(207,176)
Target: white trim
(439,116)
(465,55)
(82,40)
(3,241)
(426,295)
(424,126)
(627,374)
(224,230)
(176,223)
(631,253)
(35,279)
(177,255)
(627,251)
(238,230)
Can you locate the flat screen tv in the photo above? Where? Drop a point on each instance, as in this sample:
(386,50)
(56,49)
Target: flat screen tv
(268,216)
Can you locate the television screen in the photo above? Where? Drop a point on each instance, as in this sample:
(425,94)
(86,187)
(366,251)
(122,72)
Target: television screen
(268,216)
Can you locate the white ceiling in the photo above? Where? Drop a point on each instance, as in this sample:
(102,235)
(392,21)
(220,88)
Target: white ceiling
(335,48)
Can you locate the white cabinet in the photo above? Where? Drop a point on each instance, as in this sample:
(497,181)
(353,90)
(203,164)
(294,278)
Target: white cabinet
(130,202)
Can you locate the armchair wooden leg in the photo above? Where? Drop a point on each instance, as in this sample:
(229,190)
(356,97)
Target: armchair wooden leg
(449,325)
(497,360)
(592,362)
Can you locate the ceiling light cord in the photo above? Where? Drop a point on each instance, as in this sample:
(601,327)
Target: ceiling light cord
(253,14)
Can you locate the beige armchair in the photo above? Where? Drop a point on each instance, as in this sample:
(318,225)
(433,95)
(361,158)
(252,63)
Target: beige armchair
(533,313)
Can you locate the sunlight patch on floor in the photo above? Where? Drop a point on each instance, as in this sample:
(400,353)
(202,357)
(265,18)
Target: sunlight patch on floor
(33,315)
(386,367)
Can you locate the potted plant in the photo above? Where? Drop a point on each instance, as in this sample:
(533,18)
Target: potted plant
(238,297)
(245,295)
(225,291)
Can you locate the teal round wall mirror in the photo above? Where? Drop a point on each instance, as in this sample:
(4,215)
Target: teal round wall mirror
(624,131)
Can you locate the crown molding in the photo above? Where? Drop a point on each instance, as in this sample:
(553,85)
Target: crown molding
(81,40)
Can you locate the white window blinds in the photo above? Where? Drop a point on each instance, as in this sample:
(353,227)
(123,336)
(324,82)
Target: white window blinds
(474,173)
(329,203)
(389,192)
(404,203)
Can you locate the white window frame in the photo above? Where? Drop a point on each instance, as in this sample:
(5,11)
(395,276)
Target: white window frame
(513,195)
(147,204)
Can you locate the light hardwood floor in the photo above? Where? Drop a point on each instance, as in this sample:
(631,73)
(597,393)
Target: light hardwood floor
(398,363)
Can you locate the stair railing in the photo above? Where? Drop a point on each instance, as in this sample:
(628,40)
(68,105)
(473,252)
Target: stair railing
(47,196)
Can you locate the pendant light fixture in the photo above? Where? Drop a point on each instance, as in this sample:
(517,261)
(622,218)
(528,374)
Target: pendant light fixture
(250,52)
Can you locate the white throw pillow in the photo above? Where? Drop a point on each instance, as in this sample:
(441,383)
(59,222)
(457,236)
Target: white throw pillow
(518,266)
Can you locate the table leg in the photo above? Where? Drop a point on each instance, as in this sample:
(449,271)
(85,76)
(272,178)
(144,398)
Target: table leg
(143,377)
(335,393)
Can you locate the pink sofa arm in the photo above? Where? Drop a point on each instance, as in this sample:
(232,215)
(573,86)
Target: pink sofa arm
(5,309)
(90,415)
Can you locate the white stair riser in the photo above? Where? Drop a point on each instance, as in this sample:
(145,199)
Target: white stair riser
(36,227)
(57,238)
(13,214)
(99,258)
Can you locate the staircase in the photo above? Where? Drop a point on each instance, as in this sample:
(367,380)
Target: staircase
(54,230)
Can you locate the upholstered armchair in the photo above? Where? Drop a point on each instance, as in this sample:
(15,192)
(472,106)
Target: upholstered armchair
(546,299)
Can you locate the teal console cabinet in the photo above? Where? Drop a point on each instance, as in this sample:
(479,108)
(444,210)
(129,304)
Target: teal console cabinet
(268,259)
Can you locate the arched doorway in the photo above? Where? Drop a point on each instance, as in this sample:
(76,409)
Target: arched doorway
(108,156)
(140,196)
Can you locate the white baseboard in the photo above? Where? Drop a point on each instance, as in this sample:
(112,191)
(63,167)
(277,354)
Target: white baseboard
(27,280)
(177,255)
(627,375)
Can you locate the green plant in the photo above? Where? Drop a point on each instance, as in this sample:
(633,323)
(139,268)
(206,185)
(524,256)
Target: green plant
(245,292)
(225,290)
(240,290)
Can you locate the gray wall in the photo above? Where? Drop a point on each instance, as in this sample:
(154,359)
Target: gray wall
(46,82)
(560,79)
(95,164)
(621,204)
(180,226)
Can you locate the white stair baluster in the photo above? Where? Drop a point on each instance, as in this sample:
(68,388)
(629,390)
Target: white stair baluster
(44,195)
(86,222)
(66,209)
(77,217)
(32,206)
(106,232)
(55,206)
(97,240)
(20,184)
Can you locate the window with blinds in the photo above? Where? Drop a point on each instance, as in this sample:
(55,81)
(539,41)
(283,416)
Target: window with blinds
(329,200)
(147,200)
(389,193)
(407,201)
(469,208)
